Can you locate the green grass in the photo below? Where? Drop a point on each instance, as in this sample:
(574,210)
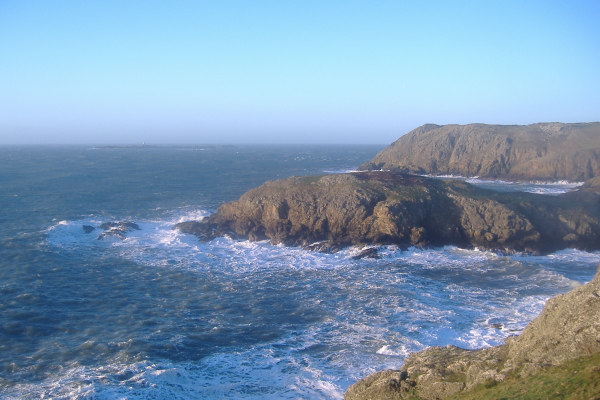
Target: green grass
(578,379)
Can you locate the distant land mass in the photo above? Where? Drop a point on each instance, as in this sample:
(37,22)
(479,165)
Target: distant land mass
(543,151)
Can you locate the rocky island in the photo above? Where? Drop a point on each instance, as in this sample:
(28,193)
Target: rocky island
(330,212)
(394,206)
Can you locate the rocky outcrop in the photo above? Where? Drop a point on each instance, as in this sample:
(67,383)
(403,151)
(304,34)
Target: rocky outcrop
(330,212)
(544,151)
(567,328)
(113,229)
(592,186)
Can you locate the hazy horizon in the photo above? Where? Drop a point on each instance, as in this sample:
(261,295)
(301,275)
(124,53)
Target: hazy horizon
(189,144)
(268,72)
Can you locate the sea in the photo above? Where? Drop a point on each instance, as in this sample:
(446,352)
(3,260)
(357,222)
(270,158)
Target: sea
(160,315)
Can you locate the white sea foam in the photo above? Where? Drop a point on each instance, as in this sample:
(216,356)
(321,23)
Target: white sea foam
(369,314)
(226,376)
(342,171)
(540,187)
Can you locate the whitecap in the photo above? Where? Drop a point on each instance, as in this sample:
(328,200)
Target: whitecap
(552,188)
(342,171)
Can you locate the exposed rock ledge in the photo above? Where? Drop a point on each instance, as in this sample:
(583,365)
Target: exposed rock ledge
(333,211)
(567,328)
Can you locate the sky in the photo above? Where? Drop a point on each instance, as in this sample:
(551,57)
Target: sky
(286,71)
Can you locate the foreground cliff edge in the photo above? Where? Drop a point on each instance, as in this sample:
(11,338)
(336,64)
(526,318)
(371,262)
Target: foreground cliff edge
(330,212)
(559,351)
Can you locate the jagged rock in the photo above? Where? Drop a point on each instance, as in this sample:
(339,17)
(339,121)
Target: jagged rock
(547,151)
(371,252)
(392,385)
(203,230)
(329,212)
(88,228)
(591,185)
(117,229)
(324,247)
(567,328)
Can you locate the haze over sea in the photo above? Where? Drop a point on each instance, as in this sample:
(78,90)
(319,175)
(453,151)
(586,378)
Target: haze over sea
(160,315)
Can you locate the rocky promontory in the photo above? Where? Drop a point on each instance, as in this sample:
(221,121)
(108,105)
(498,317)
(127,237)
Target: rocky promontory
(543,151)
(330,212)
(560,347)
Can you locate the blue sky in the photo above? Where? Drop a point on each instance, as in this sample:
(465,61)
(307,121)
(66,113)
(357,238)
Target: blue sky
(289,71)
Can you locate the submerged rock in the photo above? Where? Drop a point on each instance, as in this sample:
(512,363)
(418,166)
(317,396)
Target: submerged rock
(371,252)
(544,151)
(329,212)
(117,229)
(567,328)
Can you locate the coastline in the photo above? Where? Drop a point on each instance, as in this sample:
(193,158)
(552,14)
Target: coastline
(566,330)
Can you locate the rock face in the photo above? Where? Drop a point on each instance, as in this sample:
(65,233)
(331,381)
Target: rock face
(545,151)
(333,211)
(567,328)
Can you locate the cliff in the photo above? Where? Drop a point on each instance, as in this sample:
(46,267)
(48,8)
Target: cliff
(560,348)
(333,211)
(544,151)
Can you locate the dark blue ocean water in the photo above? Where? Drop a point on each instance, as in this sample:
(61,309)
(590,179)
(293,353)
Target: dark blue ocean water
(161,316)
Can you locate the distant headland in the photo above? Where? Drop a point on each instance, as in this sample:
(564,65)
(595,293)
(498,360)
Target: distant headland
(543,151)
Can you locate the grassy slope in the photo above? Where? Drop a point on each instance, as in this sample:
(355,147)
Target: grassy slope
(578,379)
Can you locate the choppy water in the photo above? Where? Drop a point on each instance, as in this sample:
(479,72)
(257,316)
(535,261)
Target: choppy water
(161,316)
